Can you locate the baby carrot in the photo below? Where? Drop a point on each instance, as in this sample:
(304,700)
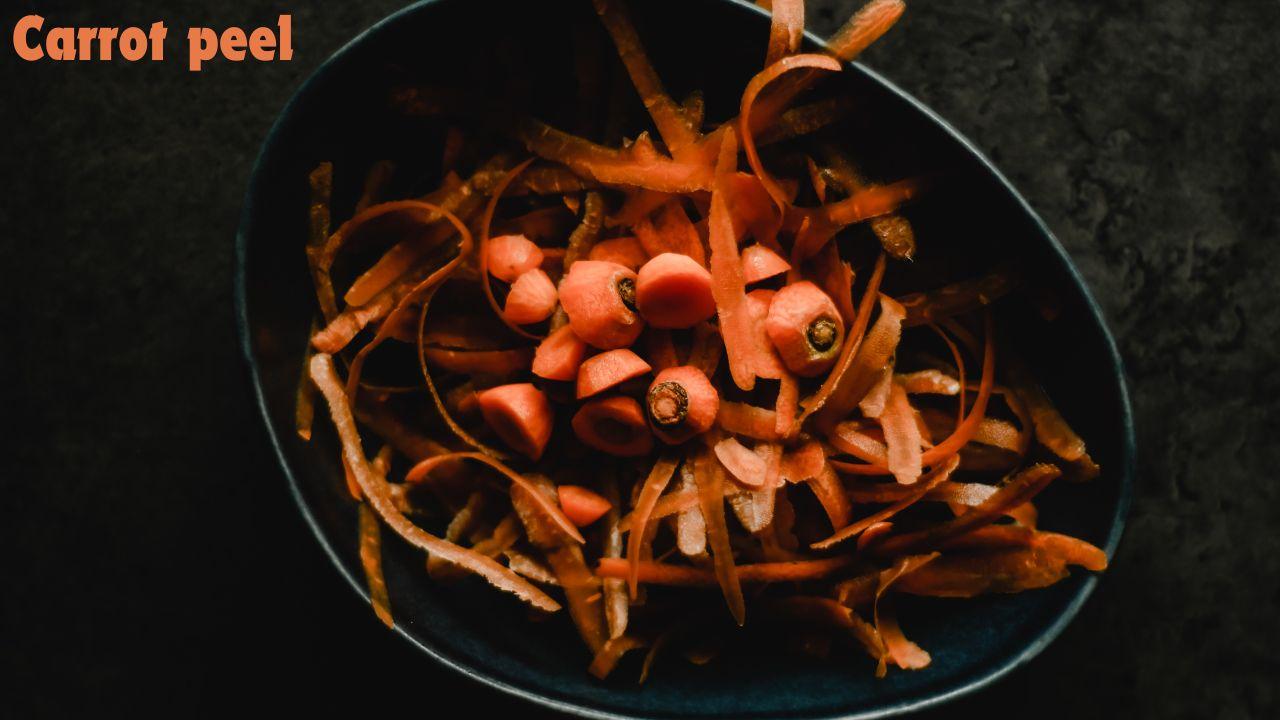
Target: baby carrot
(600,299)
(532,298)
(681,403)
(520,414)
(609,369)
(581,505)
(806,328)
(559,355)
(510,256)
(674,291)
(614,425)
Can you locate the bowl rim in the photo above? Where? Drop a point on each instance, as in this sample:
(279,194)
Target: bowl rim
(947,693)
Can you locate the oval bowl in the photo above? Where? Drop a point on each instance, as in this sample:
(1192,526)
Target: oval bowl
(971,219)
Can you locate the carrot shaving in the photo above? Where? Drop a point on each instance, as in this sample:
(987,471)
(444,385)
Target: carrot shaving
(758,83)
(616,598)
(656,573)
(786,28)
(902,437)
(375,491)
(420,472)
(709,477)
(657,481)
(919,490)
(959,298)
(607,658)
(371,559)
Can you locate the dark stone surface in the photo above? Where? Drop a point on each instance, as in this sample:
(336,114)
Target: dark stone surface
(153,557)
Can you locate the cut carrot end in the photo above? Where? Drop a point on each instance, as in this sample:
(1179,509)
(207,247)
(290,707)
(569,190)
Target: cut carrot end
(520,414)
(559,356)
(532,298)
(609,369)
(806,328)
(615,425)
(599,298)
(681,403)
(674,291)
(510,256)
(760,263)
(581,505)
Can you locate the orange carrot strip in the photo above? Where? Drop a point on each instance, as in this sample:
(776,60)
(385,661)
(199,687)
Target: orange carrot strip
(379,497)
(659,478)
(320,182)
(613,167)
(853,342)
(502,363)
(871,533)
(417,293)
(637,206)
(864,28)
(599,298)
(510,256)
(674,291)
(486,224)
(617,601)
(609,369)
(670,231)
(657,573)
(581,505)
(1051,428)
(611,654)
(758,83)
(770,364)
(671,121)
(371,559)
(748,420)
(625,251)
(1008,570)
(405,254)
(904,653)
(584,236)
(964,431)
(806,328)
(743,464)
(615,425)
(559,355)
(902,437)
(848,437)
(830,493)
(786,28)
(934,382)
(520,414)
(741,342)
(1020,488)
(936,476)
(681,403)
(803,463)
(761,263)
(870,202)
(809,609)
(709,476)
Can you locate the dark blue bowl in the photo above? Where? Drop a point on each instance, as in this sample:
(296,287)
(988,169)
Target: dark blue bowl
(973,219)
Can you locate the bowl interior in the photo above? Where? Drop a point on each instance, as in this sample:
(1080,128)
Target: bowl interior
(970,220)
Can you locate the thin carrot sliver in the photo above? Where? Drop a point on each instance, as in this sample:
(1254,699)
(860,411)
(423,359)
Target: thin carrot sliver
(371,559)
(902,437)
(786,28)
(709,476)
(379,498)
(659,477)
(918,491)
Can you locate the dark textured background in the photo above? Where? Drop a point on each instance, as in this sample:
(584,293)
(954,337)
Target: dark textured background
(154,558)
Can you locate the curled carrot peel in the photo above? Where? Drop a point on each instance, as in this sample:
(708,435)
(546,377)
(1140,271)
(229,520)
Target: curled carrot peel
(379,498)
(758,83)
(485,224)
(902,437)
(743,464)
(872,357)
(422,471)
(927,483)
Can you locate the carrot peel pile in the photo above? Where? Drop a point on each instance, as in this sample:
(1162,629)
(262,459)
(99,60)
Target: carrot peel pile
(650,376)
